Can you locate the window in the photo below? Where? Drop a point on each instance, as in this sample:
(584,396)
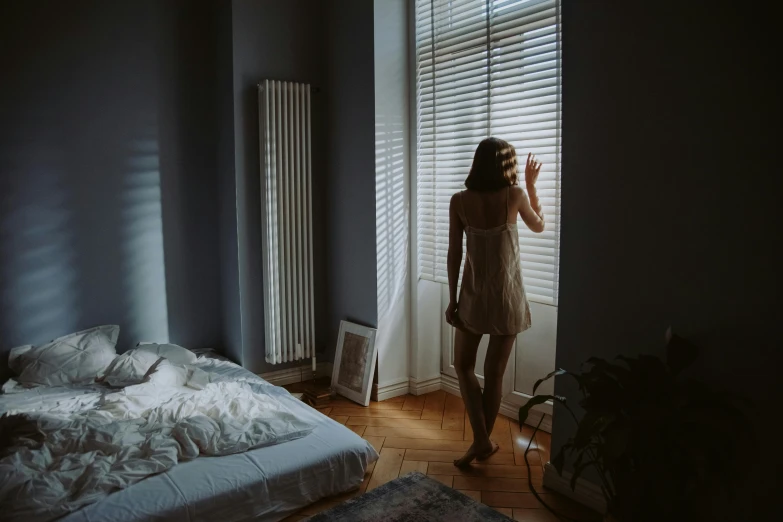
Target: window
(487,68)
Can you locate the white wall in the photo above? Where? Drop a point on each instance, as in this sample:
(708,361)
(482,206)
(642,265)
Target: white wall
(392,174)
(535,353)
(427,315)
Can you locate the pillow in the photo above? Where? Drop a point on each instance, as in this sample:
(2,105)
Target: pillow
(132,366)
(166,373)
(16,359)
(174,353)
(129,368)
(72,359)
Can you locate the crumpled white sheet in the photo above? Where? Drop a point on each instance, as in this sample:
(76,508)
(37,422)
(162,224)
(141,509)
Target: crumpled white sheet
(65,399)
(136,432)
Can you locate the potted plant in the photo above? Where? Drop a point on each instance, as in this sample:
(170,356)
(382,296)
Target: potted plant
(663,446)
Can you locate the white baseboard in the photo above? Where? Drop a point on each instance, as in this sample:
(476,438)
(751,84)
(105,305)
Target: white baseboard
(425,385)
(296,374)
(450,385)
(586,493)
(387,390)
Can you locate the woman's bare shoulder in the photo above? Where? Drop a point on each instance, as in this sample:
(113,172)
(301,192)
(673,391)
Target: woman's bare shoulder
(455,198)
(517,192)
(518,197)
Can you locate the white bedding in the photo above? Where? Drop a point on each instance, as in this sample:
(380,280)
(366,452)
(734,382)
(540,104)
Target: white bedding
(71,359)
(266,483)
(133,366)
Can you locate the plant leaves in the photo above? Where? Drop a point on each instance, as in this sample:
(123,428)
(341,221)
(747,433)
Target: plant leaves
(616,437)
(650,433)
(590,427)
(604,395)
(559,460)
(602,368)
(578,469)
(533,401)
(548,376)
(574,478)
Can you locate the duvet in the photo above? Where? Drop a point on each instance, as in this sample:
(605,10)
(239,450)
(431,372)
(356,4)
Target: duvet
(57,461)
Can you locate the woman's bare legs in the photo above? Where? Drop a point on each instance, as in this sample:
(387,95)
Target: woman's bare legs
(498,352)
(465,348)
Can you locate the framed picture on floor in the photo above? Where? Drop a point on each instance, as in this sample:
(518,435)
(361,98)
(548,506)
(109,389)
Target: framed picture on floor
(354,362)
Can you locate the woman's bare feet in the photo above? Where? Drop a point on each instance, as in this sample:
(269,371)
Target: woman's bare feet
(475,451)
(484,456)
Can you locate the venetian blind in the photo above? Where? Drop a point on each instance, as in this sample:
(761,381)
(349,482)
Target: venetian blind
(488,68)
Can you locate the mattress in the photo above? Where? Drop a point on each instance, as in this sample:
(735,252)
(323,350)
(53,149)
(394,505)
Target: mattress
(264,484)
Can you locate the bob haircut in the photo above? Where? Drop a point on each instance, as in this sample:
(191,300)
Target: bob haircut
(494,166)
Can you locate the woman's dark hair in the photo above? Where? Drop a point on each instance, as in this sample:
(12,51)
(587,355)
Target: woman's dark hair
(494,166)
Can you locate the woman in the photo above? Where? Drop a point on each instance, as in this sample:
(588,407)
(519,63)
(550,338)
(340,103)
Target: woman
(492,300)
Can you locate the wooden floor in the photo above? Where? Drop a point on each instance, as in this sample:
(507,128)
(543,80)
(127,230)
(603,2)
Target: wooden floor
(426,433)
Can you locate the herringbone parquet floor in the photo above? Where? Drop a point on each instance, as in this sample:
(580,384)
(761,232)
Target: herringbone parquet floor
(426,433)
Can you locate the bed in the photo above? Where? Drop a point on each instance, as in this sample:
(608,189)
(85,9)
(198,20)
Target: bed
(263,484)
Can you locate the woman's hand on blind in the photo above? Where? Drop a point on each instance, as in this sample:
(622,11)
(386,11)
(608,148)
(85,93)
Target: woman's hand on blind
(532,168)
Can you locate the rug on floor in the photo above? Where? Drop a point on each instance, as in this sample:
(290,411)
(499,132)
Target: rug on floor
(411,498)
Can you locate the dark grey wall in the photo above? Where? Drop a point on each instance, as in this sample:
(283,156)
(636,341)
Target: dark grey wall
(281,41)
(330,46)
(227,190)
(129,162)
(107,170)
(670,198)
(187,119)
(351,264)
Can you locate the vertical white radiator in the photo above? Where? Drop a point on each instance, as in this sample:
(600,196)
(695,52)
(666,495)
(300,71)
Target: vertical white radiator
(286,219)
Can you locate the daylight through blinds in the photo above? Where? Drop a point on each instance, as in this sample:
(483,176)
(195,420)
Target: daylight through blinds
(488,68)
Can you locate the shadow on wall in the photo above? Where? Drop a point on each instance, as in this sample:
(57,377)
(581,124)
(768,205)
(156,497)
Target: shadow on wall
(39,280)
(141,240)
(80,249)
(86,120)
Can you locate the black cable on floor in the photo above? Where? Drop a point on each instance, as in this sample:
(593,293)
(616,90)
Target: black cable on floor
(530,481)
